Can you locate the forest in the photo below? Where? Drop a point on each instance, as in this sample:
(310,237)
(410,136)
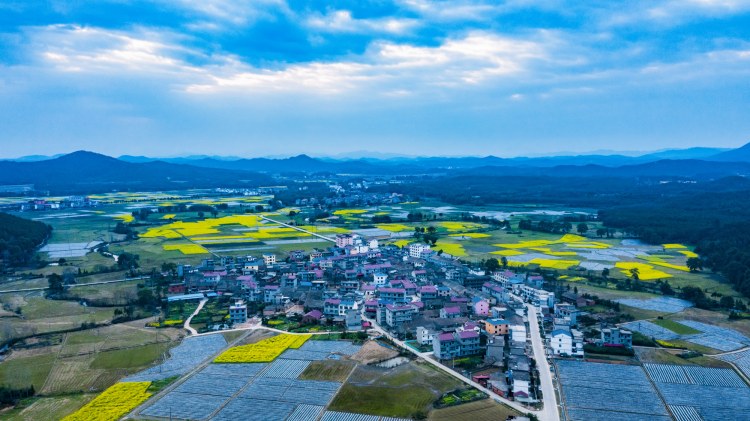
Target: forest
(19,238)
(718,224)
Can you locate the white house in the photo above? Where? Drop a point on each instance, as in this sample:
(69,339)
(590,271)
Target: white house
(564,342)
(424,335)
(269,259)
(416,249)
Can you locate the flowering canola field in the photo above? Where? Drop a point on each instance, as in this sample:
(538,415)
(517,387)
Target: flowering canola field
(262,352)
(186,248)
(113,403)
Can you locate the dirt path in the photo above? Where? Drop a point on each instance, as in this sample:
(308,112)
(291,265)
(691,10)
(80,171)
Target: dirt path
(187,326)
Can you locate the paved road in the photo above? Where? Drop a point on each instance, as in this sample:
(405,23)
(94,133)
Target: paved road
(189,319)
(549,412)
(8,291)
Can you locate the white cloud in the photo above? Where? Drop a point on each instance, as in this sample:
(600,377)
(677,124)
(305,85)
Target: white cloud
(84,49)
(230,12)
(342,21)
(470,60)
(452,10)
(668,13)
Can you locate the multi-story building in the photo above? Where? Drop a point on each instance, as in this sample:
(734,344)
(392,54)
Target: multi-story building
(424,335)
(238,312)
(269,259)
(456,344)
(396,315)
(616,337)
(397,295)
(416,249)
(497,326)
(343,240)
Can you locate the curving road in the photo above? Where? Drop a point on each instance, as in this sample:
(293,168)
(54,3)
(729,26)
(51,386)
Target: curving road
(189,319)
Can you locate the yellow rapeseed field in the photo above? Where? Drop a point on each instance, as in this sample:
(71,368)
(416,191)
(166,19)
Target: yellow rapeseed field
(508,253)
(646,272)
(689,253)
(451,248)
(673,246)
(113,403)
(460,226)
(394,227)
(262,352)
(186,248)
(555,263)
(346,212)
(471,235)
(401,243)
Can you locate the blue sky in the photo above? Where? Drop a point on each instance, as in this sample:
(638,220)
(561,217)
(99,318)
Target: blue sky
(413,77)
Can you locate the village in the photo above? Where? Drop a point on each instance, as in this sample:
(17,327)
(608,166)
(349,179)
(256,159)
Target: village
(472,320)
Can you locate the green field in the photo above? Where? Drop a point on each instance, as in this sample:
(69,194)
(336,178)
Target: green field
(404,391)
(27,371)
(130,359)
(675,327)
(47,408)
(337,371)
(484,410)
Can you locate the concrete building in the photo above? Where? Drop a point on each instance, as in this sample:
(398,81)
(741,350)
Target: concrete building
(496,327)
(269,259)
(238,312)
(616,337)
(396,315)
(417,249)
(456,344)
(424,335)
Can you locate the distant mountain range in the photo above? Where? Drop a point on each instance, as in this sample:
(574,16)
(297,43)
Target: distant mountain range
(88,172)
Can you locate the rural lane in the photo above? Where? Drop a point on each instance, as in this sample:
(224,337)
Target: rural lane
(115,281)
(189,319)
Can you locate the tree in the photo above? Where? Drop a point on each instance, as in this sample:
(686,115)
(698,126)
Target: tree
(504,262)
(694,264)
(491,264)
(635,273)
(127,261)
(726,302)
(666,289)
(582,228)
(605,273)
(55,282)
(601,232)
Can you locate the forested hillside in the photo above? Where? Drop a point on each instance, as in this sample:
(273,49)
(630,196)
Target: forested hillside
(19,238)
(717,223)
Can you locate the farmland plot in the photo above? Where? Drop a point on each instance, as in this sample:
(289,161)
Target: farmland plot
(238,390)
(607,391)
(662,304)
(739,359)
(651,330)
(691,390)
(185,406)
(184,357)
(716,337)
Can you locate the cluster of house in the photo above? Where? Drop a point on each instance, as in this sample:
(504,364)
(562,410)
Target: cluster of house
(69,202)
(351,195)
(412,292)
